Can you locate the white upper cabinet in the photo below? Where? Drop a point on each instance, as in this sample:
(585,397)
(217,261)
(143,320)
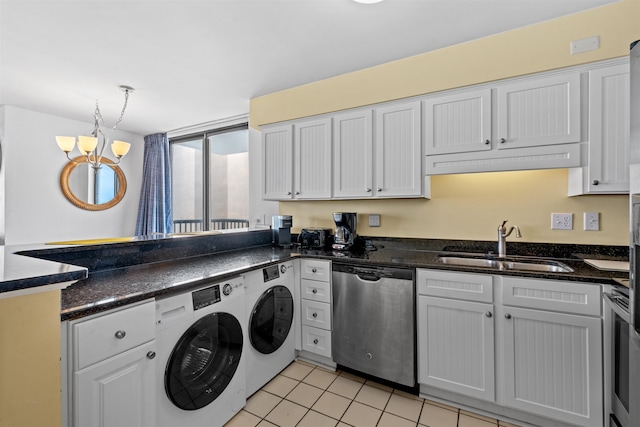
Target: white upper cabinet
(312,153)
(458,123)
(606,169)
(536,112)
(528,123)
(308,177)
(353,154)
(277,162)
(398,171)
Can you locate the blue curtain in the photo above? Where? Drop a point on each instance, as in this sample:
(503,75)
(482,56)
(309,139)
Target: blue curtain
(154,209)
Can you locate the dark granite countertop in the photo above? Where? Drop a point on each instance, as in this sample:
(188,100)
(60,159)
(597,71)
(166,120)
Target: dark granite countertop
(20,273)
(109,288)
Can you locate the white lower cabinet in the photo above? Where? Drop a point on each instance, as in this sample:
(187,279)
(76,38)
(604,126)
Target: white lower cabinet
(315,307)
(111,368)
(553,365)
(118,391)
(536,347)
(456,346)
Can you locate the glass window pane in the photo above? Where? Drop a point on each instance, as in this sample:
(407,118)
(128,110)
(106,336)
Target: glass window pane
(229,179)
(186,176)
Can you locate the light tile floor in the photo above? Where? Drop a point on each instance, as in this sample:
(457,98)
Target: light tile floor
(305,395)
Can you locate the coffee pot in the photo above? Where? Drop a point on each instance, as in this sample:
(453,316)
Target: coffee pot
(345,234)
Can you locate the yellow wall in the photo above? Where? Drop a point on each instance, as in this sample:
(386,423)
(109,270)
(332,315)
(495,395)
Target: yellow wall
(531,49)
(30,389)
(471,206)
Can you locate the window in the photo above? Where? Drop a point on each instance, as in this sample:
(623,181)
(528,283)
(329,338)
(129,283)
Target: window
(210,179)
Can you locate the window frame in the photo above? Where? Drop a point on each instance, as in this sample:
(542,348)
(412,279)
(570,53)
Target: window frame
(206,172)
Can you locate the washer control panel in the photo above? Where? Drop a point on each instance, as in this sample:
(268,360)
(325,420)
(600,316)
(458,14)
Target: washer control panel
(205,297)
(271,273)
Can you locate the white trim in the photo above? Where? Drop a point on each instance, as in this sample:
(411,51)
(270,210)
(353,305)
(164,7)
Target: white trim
(203,127)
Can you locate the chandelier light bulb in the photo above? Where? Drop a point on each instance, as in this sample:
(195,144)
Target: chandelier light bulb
(120,148)
(66,143)
(86,144)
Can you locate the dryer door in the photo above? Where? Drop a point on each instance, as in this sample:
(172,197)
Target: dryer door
(271,319)
(204,361)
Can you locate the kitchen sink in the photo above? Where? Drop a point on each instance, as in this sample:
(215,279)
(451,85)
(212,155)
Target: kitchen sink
(506,264)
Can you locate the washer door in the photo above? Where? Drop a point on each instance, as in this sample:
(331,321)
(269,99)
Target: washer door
(204,361)
(271,319)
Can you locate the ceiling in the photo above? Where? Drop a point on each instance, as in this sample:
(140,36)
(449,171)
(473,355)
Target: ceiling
(193,62)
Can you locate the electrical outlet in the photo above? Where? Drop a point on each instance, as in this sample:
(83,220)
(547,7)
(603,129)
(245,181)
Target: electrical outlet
(592,221)
(562,221)
(374,220)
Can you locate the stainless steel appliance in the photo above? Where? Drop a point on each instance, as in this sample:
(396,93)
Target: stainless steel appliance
(281,230)
(314,238)
(616,356)
(346,224)
(373,321)
(634,253)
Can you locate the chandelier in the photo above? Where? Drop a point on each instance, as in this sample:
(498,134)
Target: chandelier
(89,145)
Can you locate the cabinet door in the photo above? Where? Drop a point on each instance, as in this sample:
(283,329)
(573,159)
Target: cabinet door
(538,112)
(312,151)
(277,163)
(117,392)
(456,346)
(458,123)
(398,151)
(553,365)
(352,154)
(609,126)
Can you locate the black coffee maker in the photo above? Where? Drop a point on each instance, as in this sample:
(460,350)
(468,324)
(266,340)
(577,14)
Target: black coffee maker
(345,235)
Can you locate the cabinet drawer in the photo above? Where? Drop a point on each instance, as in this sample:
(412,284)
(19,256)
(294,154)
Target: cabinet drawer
(105,336)
(316,314)
(316,291)
(464,286)
(316,340)
(315,270)
(552,295)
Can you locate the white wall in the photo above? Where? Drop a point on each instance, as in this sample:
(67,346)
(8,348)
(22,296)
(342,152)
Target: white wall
(36,211)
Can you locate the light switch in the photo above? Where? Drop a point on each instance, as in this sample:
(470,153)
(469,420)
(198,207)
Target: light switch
(592,221)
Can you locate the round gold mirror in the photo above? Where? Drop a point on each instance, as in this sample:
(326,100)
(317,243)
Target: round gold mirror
(93,189)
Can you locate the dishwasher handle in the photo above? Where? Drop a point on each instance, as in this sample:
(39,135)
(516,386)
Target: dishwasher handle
(369,276)
(372,274)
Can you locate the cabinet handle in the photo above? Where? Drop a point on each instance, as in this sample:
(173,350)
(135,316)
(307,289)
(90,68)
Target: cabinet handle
(288,193)
(488,314)
(379,189)
(120,334)
(368,190)
(315,341)
(151,355)
(315,291)
(297,192)
(315,315)
(314,270)
(595,182)
(487,142)
(507,316)
(502,140)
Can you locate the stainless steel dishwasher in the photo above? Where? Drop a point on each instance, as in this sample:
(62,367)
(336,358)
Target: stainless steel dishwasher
(374,321)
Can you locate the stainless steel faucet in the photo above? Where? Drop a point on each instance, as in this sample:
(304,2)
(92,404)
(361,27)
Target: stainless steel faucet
(502,238)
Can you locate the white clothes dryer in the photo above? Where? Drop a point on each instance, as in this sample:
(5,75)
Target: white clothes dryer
(270,336)
(201,355)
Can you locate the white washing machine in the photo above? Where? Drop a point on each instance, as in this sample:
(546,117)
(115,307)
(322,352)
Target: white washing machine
(201,355)
(269,327)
